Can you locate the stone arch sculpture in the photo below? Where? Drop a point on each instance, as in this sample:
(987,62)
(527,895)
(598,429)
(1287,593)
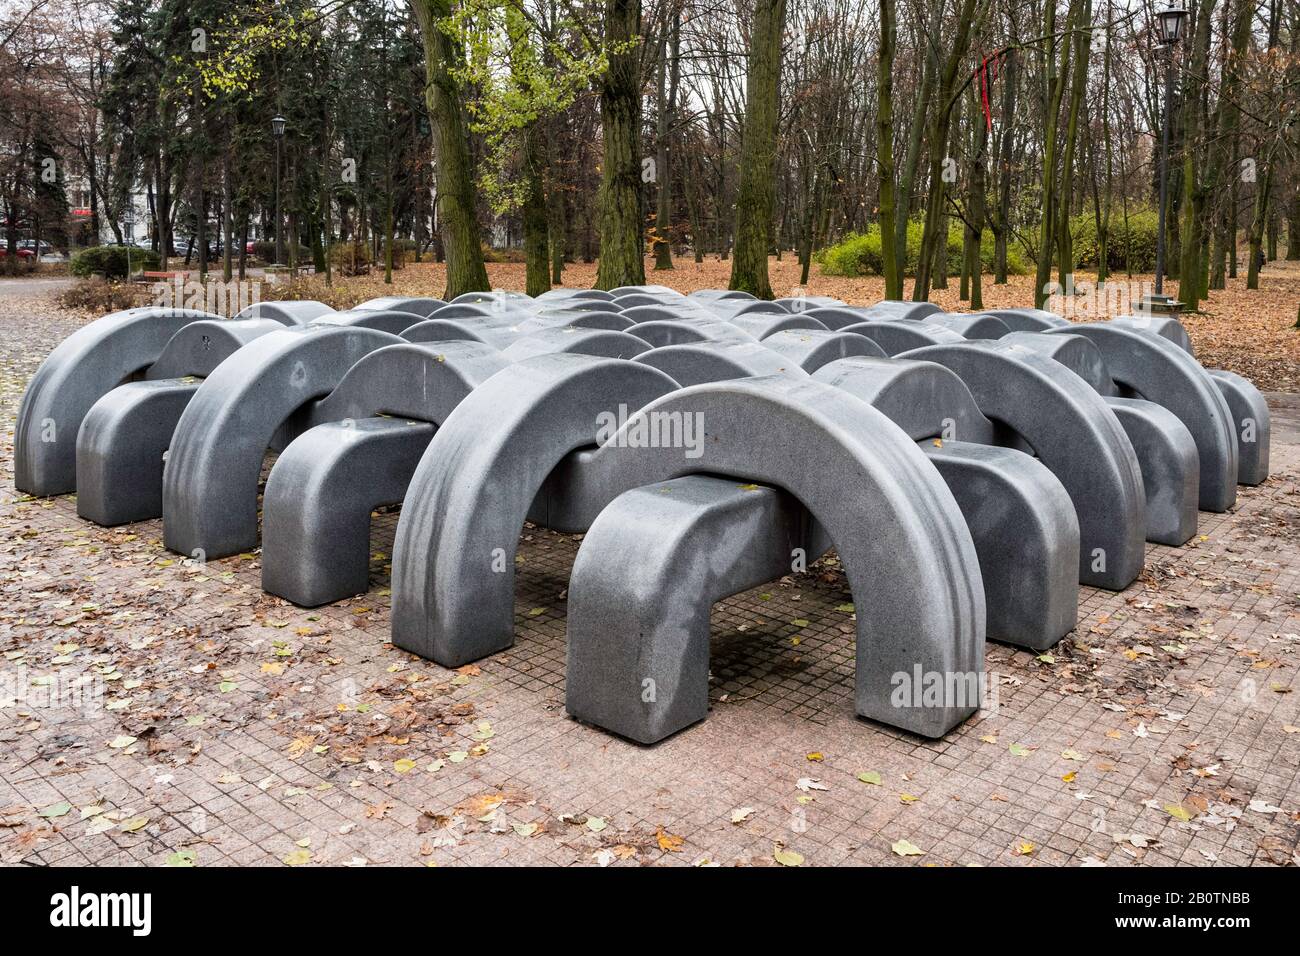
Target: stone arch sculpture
(453,558)
(810,349)
(122,439)
(289,313)
(693,364)
(1158,370)
(1075,434)
(81,369)
(896,337)
(215,459)
(323,487)
(893,520)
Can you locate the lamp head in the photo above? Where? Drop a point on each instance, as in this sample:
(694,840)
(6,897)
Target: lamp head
(1170,21)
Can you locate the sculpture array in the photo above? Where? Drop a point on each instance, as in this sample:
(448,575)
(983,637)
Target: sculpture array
(971,471)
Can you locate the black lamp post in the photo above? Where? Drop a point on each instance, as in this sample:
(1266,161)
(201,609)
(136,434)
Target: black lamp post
(128,220)
(277,130)
(1170,22)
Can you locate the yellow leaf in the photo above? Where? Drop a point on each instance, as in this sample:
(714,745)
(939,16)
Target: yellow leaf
(906,848)
(816,756)
(668,842)
(298,858)
(1024,848)
(1177,811)
(405,765)
(907,798)
(786,857)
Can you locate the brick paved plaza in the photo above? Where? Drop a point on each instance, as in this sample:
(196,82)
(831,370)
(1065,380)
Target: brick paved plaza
(202,721)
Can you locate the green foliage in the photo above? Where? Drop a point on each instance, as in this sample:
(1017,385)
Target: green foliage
(858,254)
(110,262)
(1137,242)
(521,75)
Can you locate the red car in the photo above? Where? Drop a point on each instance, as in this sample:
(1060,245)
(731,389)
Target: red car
(22,253)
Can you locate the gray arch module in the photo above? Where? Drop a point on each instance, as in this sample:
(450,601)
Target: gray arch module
(1076,434)
(215,460)
(83,367)
(899,532)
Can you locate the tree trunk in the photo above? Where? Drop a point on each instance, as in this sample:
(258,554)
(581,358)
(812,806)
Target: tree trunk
(885,149)
(940,123)
(755,199)
(457,212)
(622,257)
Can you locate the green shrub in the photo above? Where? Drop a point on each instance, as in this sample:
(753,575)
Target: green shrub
(264,249)
(858,254)
(111,261)
(1138,241)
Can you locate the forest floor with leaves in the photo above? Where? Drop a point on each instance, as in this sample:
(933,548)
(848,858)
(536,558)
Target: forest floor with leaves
(163,713)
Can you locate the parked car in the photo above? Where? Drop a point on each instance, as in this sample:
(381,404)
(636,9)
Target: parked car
(30,244)
(23,254)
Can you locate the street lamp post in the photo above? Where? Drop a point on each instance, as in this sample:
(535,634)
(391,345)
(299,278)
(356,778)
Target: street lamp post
(1170,22)
(277,131)
(128,221)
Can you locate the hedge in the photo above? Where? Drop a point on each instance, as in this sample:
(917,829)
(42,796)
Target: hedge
(111,261)
(859,253)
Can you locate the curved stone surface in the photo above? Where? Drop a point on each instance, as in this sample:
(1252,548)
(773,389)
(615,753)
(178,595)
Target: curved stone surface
(494,309)
(1076,435)
(586,318)
(810,349)
(716,362)
(730,308)
(581,305)
(896,309)
(711,295)
(1251,422)
(499,333)
(924,399)
(453,558)
(385,320)
(664,313)
(903,336)
(640,299)
(1167,455)
(761,325)
(697,538)
(1165,326)
(287,313)
(1027,320)
(579,341)
(514,299)
(120,449)
(215,460)
(904,545)
(839,317)
(83,367)
(1158,370)
(318,500)
(806,303)
(565,294)
(1075,352)
(971,326)
(1026,535)
(683,332)
(655,290)
(198,348)
(421,306)
(421,381)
